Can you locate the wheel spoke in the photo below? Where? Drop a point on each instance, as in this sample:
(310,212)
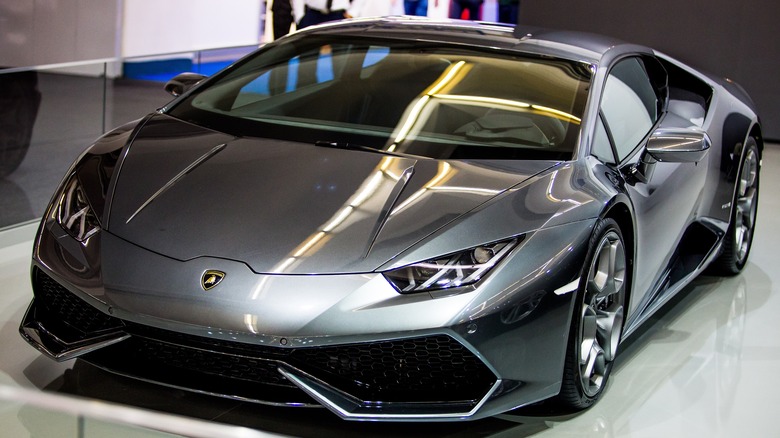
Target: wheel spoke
(609,322)
(599,281)
(747,178)
(594,368)
(608,271)
(746,207)
(739,229)
(617,265)
(588,333)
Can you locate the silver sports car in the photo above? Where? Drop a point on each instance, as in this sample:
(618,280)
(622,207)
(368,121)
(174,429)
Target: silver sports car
(399,219)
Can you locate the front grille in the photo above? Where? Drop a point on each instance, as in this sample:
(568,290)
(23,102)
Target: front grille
(62,304)
(230,366)
(422,369)
(430,369)
(210,344)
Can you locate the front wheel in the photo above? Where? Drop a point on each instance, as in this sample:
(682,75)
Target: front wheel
(597,322)
(739,237)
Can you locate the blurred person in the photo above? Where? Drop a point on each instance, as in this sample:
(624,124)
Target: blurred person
(508,11)
(282,17)
(310,12)
(473,6)
(416,7)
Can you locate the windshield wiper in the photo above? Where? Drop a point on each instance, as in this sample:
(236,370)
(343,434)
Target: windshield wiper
(354,147)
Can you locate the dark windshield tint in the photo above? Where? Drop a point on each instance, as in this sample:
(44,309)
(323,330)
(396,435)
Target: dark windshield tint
(436,101)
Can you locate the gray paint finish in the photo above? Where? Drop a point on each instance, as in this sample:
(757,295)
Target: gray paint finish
(284,207)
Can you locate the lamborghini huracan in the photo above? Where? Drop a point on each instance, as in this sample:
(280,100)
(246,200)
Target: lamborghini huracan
(399,219)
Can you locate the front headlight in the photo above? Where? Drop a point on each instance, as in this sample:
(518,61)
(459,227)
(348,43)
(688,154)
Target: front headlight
(454,270)
(74,213)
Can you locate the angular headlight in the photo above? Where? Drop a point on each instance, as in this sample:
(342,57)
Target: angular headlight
(454,270)
(74,213)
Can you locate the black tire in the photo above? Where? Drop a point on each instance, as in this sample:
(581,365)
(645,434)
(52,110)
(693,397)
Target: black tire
(739,237)
(597,322)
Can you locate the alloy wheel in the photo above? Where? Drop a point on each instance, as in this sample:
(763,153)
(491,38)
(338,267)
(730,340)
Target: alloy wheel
(746,207)
(601,321)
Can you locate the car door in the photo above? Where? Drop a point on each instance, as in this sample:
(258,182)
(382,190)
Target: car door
(664,194)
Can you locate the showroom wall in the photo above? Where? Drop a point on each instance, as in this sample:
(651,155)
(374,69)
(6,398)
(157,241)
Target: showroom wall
(155,26)
(35,32)
(737,39)
(38,32)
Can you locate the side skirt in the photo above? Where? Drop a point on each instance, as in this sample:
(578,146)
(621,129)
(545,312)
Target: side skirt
(700,245)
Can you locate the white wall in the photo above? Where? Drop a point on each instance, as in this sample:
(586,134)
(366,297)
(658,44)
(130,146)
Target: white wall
(40,32)
(35,32)
(167,26)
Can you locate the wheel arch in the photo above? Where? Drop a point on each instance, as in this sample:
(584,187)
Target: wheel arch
(740,133)
(756,133)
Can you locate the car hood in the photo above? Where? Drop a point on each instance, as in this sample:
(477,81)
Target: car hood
(185,192)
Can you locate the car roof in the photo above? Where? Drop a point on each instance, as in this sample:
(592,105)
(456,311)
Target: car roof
(580,46)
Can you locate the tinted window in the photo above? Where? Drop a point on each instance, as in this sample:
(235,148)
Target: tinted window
(430,100)
(629,105)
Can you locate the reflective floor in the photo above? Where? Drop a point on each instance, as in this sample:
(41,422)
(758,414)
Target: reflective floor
(706,366)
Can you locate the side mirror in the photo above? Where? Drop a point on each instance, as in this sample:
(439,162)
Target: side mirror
(182,82)
(678,145)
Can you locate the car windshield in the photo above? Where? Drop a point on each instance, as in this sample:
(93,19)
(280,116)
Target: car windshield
(434,100)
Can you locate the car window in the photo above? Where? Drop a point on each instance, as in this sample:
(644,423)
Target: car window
(315,67)
(431,100)
(629,105)
(374,54)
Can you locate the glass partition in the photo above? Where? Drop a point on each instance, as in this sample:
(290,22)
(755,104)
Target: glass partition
(49,114)
(25,412)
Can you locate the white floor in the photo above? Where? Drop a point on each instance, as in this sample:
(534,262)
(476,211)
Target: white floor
(707,366)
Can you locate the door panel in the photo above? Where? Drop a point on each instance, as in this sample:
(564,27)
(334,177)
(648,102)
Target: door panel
(664,195)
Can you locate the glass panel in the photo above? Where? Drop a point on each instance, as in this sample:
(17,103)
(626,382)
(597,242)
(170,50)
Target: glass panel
(629,105)
(50,114)
(441,102)
(102,429)
(24,420)
(48,117)
(42,414)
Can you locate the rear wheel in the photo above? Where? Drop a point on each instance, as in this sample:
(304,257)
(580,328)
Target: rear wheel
(597,323)
(739,237)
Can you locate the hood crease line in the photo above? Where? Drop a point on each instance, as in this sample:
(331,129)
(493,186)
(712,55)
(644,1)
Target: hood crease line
(205,157)
(388,207)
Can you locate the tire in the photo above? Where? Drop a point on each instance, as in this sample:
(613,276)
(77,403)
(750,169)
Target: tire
(739,237)
(597,322)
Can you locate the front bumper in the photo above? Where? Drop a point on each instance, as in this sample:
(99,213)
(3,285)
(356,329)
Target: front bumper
(350,342)
(429,375)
